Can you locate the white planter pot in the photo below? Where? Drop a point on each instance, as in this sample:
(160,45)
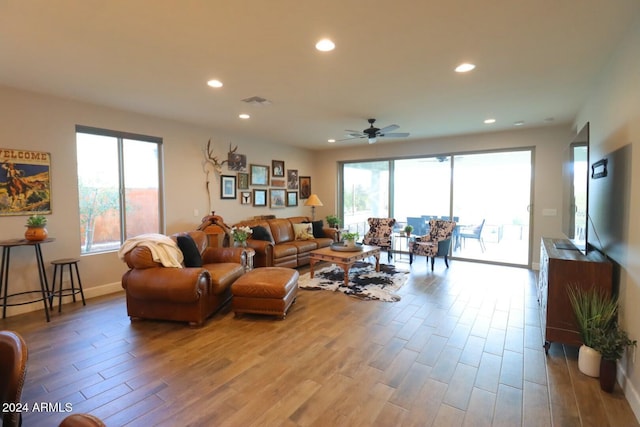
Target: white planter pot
(350,243)
(589,361)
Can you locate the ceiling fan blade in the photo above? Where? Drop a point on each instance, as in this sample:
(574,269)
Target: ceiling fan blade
(352,137)
(388,128)
(394,135)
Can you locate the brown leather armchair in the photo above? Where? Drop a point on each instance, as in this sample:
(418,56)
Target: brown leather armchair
(13,369)
(189,294)
(81,420)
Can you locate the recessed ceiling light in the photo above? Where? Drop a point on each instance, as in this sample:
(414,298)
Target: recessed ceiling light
(331,141)
(325,45)
(489,121)
(214,83)
(518,123)
(244,116)
(465,67)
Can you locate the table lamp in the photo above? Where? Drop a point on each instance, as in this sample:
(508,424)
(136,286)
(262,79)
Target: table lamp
(313,201)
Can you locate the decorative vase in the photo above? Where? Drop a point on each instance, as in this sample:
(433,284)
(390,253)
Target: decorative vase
(239,244)
(589,361)
(36,233)
(608,370)
(350,243)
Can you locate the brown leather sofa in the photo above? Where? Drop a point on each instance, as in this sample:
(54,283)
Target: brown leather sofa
(284,250)
(189,294)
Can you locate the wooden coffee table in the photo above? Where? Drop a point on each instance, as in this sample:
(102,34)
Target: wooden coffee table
(344,259)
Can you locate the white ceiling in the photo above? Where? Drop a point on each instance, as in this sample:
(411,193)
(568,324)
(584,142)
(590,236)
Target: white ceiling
(394,61)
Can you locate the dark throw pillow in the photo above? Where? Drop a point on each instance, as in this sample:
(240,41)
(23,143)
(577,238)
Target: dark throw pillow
(317,229)
(190,251)
(261,233)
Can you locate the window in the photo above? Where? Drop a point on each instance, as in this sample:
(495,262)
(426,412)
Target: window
(119,176)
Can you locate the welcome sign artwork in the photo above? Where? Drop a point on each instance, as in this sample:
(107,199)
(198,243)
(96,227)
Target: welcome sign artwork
(25,182)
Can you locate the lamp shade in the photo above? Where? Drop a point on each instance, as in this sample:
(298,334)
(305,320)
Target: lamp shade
(313,200)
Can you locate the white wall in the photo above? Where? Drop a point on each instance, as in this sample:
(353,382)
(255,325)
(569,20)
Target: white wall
(44,123)
(549,144)
(613,111)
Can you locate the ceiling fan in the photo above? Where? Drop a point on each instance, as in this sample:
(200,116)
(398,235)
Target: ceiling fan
(372,133)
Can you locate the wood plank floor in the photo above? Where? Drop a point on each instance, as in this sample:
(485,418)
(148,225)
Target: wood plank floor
(462,348)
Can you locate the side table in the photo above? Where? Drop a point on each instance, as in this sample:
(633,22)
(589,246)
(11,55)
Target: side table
(397,247)
(247,259)
(4,274)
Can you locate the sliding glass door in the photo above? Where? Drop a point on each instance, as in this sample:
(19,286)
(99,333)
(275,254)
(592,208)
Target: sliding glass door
(422,190)
(491,199)
(365,193)
(487,194)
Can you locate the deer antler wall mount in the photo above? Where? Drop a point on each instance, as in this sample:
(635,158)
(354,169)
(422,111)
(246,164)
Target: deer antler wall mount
(210,159)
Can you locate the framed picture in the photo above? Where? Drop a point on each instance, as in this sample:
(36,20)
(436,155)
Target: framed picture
(277,198)
(278,183)
(277,168)
(305,187)
(292,179)
(259,197)
(25,175)
(292,198)
(227,187)
(259,174)
(236,162)
(243,181)
(245,197)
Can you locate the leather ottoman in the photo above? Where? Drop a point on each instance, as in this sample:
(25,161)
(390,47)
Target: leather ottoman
(266,290)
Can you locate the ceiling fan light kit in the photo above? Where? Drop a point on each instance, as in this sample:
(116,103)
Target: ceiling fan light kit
(372,133)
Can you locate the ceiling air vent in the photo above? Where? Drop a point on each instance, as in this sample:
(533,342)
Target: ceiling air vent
(257,100)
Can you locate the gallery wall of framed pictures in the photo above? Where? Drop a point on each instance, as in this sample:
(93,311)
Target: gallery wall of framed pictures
(263,185)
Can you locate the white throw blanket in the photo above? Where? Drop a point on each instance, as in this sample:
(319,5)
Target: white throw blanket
(163,249)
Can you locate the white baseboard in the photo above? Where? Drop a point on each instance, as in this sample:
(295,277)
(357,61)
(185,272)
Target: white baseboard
(629,390)
(96,291)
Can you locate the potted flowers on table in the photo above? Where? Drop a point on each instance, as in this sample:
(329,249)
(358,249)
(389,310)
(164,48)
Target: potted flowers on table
(240,235)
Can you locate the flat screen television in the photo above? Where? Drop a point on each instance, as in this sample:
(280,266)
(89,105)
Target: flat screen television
(575,200)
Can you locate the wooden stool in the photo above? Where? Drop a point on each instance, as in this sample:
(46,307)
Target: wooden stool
(73,291)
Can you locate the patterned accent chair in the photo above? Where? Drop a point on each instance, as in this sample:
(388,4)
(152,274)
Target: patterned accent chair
(380,233)
(434,244)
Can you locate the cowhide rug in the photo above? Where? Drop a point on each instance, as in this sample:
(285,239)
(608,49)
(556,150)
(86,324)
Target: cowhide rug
(364,281)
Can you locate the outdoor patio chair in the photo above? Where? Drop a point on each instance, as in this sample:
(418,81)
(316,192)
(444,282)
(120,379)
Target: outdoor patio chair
(472,232)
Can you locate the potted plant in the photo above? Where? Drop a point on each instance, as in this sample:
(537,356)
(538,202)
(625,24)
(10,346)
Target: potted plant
(408,229)
(350,238)
(594,310)
(36,230)
(611,343)
(333,221)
